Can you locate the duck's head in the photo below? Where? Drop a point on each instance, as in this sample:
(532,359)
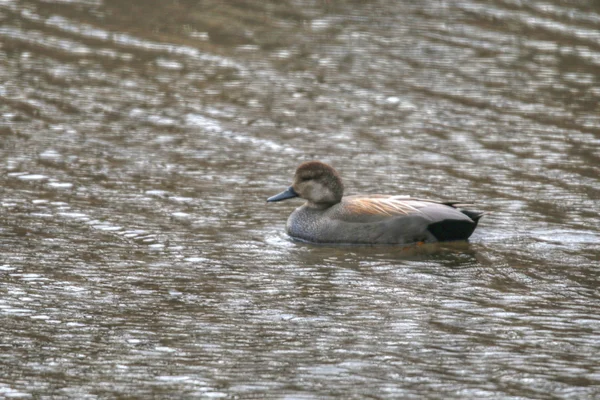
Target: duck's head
(316,182)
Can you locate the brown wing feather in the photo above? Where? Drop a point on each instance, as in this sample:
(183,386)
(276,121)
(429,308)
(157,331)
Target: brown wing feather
(385,206)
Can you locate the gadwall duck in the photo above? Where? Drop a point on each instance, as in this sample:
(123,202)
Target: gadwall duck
(327,217)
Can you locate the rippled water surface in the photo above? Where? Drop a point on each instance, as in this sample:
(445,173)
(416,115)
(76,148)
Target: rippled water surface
(140,139)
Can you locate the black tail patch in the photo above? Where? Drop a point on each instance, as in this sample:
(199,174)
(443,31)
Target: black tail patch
(451,229)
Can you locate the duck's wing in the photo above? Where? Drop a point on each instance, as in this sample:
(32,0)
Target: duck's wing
(385,206)
(388,206)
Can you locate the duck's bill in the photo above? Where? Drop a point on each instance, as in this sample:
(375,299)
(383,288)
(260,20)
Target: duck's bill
(286,194)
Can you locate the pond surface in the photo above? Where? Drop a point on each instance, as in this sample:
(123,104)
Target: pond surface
(139,141)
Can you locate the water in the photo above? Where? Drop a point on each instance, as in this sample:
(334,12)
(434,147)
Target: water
(139,142)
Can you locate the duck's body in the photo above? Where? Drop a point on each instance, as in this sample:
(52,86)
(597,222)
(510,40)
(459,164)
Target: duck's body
(329,217)
(380,220)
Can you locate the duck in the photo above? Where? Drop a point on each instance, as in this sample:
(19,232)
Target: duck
(329,217)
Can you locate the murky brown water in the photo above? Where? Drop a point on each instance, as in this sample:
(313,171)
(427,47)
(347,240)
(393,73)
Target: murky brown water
(140,141)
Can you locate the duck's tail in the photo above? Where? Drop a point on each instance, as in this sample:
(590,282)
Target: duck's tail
(474,215)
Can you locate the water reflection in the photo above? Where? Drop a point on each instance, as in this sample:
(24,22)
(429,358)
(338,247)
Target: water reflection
(140,139)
